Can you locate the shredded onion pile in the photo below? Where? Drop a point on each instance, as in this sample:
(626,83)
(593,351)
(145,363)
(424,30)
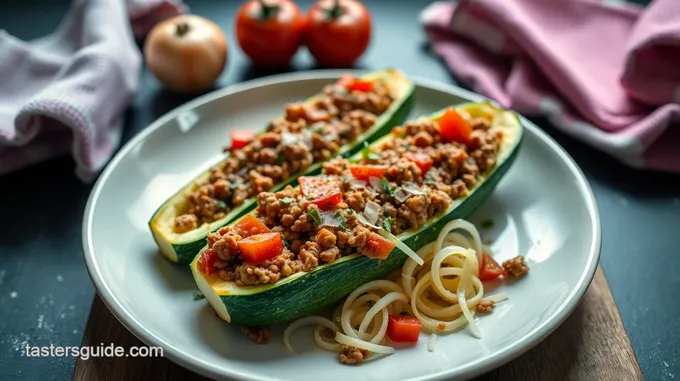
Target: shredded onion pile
(439,285)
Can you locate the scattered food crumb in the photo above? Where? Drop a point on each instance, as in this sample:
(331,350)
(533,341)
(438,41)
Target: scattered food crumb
(63,315)
(350,355)
(199,296)
(75,331)
(260,335)
(13,294)
(60,278)
(41,318)
(516,267)
(485,306)
(71,307)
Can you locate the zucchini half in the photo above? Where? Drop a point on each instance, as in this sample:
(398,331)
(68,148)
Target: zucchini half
(304,293)
(181,248)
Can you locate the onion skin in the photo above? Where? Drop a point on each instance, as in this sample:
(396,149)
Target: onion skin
(186,53)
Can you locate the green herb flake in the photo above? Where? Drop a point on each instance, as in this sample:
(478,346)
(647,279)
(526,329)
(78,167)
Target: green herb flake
(285,242)
(366,153)
(314,214)
(198,296)
(385,214)
(286,200)
(280,158)
(345,179)
(222,204)
(487,224)
(339,217)
(350,211)
(234,185)
(387,224)
(387,188)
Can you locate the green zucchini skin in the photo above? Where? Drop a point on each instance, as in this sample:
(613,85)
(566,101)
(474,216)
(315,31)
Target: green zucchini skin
(303,294)
(184,248)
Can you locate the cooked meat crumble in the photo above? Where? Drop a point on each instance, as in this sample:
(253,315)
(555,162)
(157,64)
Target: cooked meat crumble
(350,355)
(259,335)
(485,306)
(308,133)
(516,267)
(409,193)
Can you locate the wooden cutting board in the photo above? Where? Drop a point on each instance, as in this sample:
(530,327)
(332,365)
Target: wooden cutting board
(590,345)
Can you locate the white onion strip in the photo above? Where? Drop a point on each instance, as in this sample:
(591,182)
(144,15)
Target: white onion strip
(402,246)
(364,221)
(361,344)
(321,321)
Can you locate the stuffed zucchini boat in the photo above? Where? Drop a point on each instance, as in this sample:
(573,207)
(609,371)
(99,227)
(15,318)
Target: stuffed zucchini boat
(334,122)
(305,248)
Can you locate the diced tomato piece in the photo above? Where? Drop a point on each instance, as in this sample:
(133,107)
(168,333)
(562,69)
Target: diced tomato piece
(260,247)
(354,84)
(363,172)
(377,247)
(403,328)
(345,81)
(422,160)
(489,269)
(453,127)
(207,262)
(320,191)
(250,225)
(240,138)
(361,85)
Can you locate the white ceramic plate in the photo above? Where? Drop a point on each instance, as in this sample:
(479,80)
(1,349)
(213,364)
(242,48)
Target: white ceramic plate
(543,209)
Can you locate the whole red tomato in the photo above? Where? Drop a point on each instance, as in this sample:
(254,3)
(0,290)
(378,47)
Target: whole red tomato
(338,31)
(269,31)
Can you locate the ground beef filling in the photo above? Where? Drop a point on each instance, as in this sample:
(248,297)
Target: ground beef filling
(406,196)
(308,243)
(308,133)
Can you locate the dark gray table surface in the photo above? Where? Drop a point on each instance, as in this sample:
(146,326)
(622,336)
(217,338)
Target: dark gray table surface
(45,291)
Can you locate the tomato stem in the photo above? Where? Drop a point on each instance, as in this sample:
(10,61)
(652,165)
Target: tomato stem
(268,11)
(334,12)
(182,29)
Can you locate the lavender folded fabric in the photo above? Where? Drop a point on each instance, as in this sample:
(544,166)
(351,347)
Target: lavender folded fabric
(66,92)
(603,71)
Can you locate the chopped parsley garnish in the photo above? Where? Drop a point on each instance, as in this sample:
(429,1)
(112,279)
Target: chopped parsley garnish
(281,158)
(487,224)
(339,217)
(367,154)
(286,200)
(314,214)
(387,188)
(387,224)
(198,296)
(285,242)
(222,204)
(345,179)
(234,185)
(350,211)
(385,214)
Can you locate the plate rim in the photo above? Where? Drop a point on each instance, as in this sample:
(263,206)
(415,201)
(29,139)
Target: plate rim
(472,369)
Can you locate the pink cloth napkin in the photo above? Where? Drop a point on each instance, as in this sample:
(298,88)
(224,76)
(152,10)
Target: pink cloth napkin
(66,92)
(605,72)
